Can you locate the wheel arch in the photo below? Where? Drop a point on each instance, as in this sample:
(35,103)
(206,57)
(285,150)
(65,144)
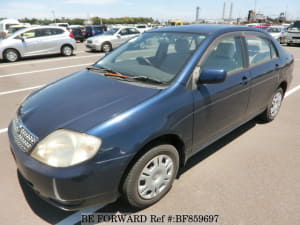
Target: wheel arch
(66,44)
(19,53)
(106,42)
(171,139)
(283,85)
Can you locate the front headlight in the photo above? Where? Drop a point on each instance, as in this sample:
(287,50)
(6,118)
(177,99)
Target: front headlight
(64,148)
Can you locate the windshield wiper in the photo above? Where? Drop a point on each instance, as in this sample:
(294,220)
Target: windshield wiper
(111,73)
(106,71)
(148,80)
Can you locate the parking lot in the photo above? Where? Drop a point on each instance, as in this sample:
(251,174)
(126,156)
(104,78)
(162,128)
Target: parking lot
(249,177)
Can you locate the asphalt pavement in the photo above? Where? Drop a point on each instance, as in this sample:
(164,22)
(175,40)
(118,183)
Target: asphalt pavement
(249,177)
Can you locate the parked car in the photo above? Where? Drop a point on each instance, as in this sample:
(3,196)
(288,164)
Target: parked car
(278,32)
(111,39)
(65,25)
(293,33)
(93,30)
(78,32)
(5,25)
(125,125)
(34,41)
(142,27)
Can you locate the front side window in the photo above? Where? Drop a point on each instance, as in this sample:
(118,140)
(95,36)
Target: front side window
(259,50)
(225,54)
(156,55)
(29,34)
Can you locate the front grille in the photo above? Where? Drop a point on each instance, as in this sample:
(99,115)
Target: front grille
(23,138)
(296,37)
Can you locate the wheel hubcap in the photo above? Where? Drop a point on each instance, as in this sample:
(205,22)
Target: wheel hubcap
(155,176)
(67,51)
(276,103)
(106,48)
(11,56)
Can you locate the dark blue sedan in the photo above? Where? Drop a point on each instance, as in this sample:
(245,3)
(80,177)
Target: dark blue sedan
(125,125)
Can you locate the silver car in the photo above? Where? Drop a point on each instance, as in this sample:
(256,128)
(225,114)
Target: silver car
(34,41)
(111,39)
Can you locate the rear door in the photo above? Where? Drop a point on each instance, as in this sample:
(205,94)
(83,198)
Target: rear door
(221,107)
(263,69)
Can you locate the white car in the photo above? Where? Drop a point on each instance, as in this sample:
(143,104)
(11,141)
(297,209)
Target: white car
(34,41)
(142,27)
(277,32)
(111,39)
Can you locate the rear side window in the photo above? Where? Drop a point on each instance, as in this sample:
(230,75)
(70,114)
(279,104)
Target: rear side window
(260,50)
(225,54)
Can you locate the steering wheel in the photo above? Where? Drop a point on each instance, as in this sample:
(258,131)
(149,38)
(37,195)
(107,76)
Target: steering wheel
(144,61)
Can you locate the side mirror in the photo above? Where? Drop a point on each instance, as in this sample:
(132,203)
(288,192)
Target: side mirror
(212,76)
(118,36)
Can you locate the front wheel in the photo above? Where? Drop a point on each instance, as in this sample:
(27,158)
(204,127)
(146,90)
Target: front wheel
(67,50)
(273,107)
(11,55)
(152,176)
(106,47)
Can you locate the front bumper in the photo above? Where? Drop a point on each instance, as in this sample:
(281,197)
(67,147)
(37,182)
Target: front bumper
(96,47)
(293,40)
(71,188)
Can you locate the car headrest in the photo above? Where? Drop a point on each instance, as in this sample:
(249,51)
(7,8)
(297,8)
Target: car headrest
(225,50)
(181,46)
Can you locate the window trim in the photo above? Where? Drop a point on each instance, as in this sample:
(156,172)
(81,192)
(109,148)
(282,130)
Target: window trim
(196,72)
(262,36)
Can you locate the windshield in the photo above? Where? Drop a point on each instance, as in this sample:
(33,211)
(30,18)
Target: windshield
(294,27)
(156,55)
(111,31)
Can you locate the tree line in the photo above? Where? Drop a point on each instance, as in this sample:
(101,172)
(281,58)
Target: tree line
(93,20)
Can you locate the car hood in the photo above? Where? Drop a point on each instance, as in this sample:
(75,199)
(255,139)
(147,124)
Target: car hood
(80,102)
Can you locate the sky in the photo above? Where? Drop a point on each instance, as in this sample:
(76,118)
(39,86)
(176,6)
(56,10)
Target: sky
(157,9)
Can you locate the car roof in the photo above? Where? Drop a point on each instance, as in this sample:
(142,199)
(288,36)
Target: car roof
(37,27)
(206,28)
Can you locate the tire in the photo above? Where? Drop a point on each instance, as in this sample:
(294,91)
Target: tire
(106,47)
(11,55)
(273,106)
(151,177)
(67,50)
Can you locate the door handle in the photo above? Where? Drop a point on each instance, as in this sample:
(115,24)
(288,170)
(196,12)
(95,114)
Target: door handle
(244,80)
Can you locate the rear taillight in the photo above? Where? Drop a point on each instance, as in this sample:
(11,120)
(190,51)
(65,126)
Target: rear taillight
(71,35)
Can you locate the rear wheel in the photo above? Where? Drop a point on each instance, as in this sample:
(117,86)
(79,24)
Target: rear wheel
(152,176)
(67,50)
(273,107)
(11,55)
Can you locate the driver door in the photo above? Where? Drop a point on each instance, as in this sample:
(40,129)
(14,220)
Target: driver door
(220,107)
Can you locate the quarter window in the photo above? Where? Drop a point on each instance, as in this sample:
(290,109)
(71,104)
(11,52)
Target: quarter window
(260,50)
(225,54)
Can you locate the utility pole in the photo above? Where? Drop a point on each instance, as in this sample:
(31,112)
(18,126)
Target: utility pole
(53,13)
